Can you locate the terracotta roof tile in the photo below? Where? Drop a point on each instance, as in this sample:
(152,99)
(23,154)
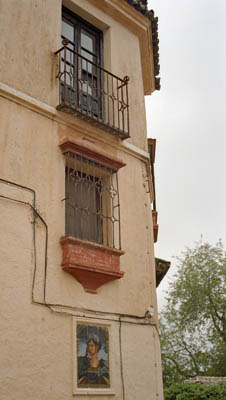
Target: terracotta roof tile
(142,7)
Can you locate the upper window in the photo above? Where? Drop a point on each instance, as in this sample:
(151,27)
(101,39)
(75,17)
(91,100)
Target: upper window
(84,38)
(83,77)
(86,88)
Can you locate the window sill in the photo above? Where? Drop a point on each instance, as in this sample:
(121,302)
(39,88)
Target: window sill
(92,264)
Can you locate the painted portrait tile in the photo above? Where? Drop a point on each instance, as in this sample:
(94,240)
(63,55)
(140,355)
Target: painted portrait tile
(92,356)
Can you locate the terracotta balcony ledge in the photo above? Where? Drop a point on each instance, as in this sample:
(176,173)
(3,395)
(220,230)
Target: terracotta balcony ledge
(92,264)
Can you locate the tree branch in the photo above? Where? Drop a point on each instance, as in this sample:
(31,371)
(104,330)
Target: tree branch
(178,368)
(191,356)
(214,316)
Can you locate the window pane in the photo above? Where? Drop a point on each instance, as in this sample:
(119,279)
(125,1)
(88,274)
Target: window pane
(89,56)
(69,54)
(86,65)
(87,41)
(82,212)
(67,73)
(92,204)
(68,31)
(86,88)
(79,71)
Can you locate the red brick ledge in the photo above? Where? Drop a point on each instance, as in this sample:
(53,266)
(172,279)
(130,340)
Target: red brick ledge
(92,264)
(90,151)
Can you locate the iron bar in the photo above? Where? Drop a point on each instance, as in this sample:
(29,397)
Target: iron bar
(118,105)
(108,106)
(92,204)
(119,224)
(85,90)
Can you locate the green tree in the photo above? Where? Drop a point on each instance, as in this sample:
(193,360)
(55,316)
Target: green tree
(195,391)
(193,325)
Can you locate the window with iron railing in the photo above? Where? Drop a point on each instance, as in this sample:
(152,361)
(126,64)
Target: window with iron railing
(92,201)
(85,87)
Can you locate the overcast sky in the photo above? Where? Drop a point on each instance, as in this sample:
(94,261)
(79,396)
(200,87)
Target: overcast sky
(188,119)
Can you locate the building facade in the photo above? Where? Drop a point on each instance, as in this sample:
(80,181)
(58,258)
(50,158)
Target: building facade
(78,277)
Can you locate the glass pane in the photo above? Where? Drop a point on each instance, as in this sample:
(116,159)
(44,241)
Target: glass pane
(69,54)
(83,197)
(86,41)
(86,88)
(67,73)
(70,57)
(68,31)
(70,71)
(89,57)
(85,64)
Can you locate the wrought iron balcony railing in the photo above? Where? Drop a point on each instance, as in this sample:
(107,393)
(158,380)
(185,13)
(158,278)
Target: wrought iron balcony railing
(92,93)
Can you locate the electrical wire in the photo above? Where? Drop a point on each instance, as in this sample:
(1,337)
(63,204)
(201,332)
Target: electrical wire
(50,306)
(78,309)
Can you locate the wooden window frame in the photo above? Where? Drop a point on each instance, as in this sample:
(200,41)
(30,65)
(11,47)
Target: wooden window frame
(90,263)
(84,78)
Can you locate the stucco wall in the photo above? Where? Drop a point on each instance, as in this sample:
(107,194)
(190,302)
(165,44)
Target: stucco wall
(30,33)
(27,61)
(31,157)
(36,343)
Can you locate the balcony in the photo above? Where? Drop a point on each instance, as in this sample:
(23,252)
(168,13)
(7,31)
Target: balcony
(92,93)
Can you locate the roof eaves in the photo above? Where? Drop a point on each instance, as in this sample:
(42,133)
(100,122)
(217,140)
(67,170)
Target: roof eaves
(142,7)
(161,268)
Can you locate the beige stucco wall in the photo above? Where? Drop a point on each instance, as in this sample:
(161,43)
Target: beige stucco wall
(36,344)
(27,61)
(30,33)
(31,157)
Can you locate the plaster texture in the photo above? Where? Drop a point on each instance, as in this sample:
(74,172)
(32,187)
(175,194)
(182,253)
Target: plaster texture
(36,343)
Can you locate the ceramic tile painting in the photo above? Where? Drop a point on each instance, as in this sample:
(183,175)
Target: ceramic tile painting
(92,356)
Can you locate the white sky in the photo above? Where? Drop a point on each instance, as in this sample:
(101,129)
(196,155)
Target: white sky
(188,119)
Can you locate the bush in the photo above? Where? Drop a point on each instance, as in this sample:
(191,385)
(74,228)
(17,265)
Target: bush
(195,391)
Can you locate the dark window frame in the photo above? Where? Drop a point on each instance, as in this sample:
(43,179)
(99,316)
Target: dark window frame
(76,19)
(75,226)
(84,76)
(98,221)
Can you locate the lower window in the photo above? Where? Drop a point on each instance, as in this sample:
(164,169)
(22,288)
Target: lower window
(92,243)
(92,201)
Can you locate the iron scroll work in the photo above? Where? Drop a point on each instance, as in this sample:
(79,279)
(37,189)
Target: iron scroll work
(92,201)
(92,93)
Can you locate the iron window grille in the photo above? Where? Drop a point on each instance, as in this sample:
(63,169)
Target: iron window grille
(92,201)
(85,87)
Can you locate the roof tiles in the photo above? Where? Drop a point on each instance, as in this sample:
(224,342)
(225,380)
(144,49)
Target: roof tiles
(142,7)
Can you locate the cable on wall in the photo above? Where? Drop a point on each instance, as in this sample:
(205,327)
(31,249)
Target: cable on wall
(36,215)
(50,305)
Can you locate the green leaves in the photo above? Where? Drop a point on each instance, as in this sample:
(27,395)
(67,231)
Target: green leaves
(193,325)
(195,391)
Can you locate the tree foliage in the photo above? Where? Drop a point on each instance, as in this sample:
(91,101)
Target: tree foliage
(193,325)
(195,391)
